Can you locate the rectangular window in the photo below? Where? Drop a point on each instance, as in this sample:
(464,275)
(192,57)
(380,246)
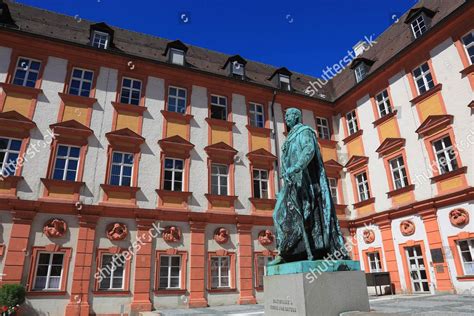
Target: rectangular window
(176,56)
(219,179)
(131,91)
(262,262)
(81,82)
(260,184)
(333,188)
(170,272)
(418,26)
(177,99)
(399,173)
(445,155)
(466,249)
(100,40)
(220,272)
(322,126)
(257,117)
(374,262)
(360,72)
(284,82)
(383,103)
(423,78)
(26,72)
(9,152)
(363,186)
(173,174)
(238,69)
(352,124)
(49,270)
(66,163)
(468,41)
(112,268)
(121,169)
(218,107)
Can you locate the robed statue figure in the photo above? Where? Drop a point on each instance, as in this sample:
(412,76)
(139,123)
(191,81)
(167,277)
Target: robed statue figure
(306,226)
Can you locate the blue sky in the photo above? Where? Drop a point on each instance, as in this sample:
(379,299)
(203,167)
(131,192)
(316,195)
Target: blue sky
(304,36)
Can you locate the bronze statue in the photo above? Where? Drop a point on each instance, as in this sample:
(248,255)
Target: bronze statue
(306,226)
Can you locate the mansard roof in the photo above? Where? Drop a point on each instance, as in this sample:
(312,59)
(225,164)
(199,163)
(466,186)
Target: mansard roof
(390,43)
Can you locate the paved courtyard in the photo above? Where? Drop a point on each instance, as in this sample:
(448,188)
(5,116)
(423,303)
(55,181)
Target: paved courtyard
(445,305)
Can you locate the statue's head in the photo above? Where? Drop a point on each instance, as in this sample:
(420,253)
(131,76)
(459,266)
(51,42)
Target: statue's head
(292,117)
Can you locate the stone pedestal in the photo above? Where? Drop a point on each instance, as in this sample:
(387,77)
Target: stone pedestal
(315,288)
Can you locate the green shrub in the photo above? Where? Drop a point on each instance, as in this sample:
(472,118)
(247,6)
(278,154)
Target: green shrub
(11,296)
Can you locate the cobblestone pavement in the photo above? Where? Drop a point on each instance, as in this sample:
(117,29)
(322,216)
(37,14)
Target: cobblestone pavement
(430,305)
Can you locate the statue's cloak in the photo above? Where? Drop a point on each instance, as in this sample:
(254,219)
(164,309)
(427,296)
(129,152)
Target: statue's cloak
(306,203)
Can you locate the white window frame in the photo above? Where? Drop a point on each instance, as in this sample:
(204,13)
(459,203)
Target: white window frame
(81,80)
(254,114)
(173,171)
(48,274)
(284,82)
(400,171)
(100,40)
(360,72)
(469,45)
(67,158)
(427,83)
(322,126)
(470,244)
(384,106)
(219,98)
(333,189)
(112,273)
(445,152)
(362,182)
(177,97)
(266,259)
(8,151)
(219,271)
(237,68)
(132,89)
(122,164)
(260,181)
(374,257)
(418,26)
(352,124)
(177,56)
(169,276)
(221,178)
(27,71)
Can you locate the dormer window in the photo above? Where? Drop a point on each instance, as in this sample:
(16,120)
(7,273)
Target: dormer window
(101,36)
(235,66)
(419,20)
(282,79)
(360,72)
(237,69)
(176,56)
(418,26)
(176,53)
(284,82)
(361,67)
(100,40)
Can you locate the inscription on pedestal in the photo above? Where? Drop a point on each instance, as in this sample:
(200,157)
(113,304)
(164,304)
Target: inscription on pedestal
(283,305)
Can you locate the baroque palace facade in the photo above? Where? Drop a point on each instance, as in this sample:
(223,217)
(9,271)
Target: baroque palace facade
(116,146)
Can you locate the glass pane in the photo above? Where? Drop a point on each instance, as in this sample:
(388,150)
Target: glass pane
(58,258)
(43,258)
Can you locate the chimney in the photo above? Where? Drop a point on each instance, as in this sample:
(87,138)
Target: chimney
(359,48)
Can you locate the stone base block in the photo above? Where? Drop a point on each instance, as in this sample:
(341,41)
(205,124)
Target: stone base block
(313,294)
